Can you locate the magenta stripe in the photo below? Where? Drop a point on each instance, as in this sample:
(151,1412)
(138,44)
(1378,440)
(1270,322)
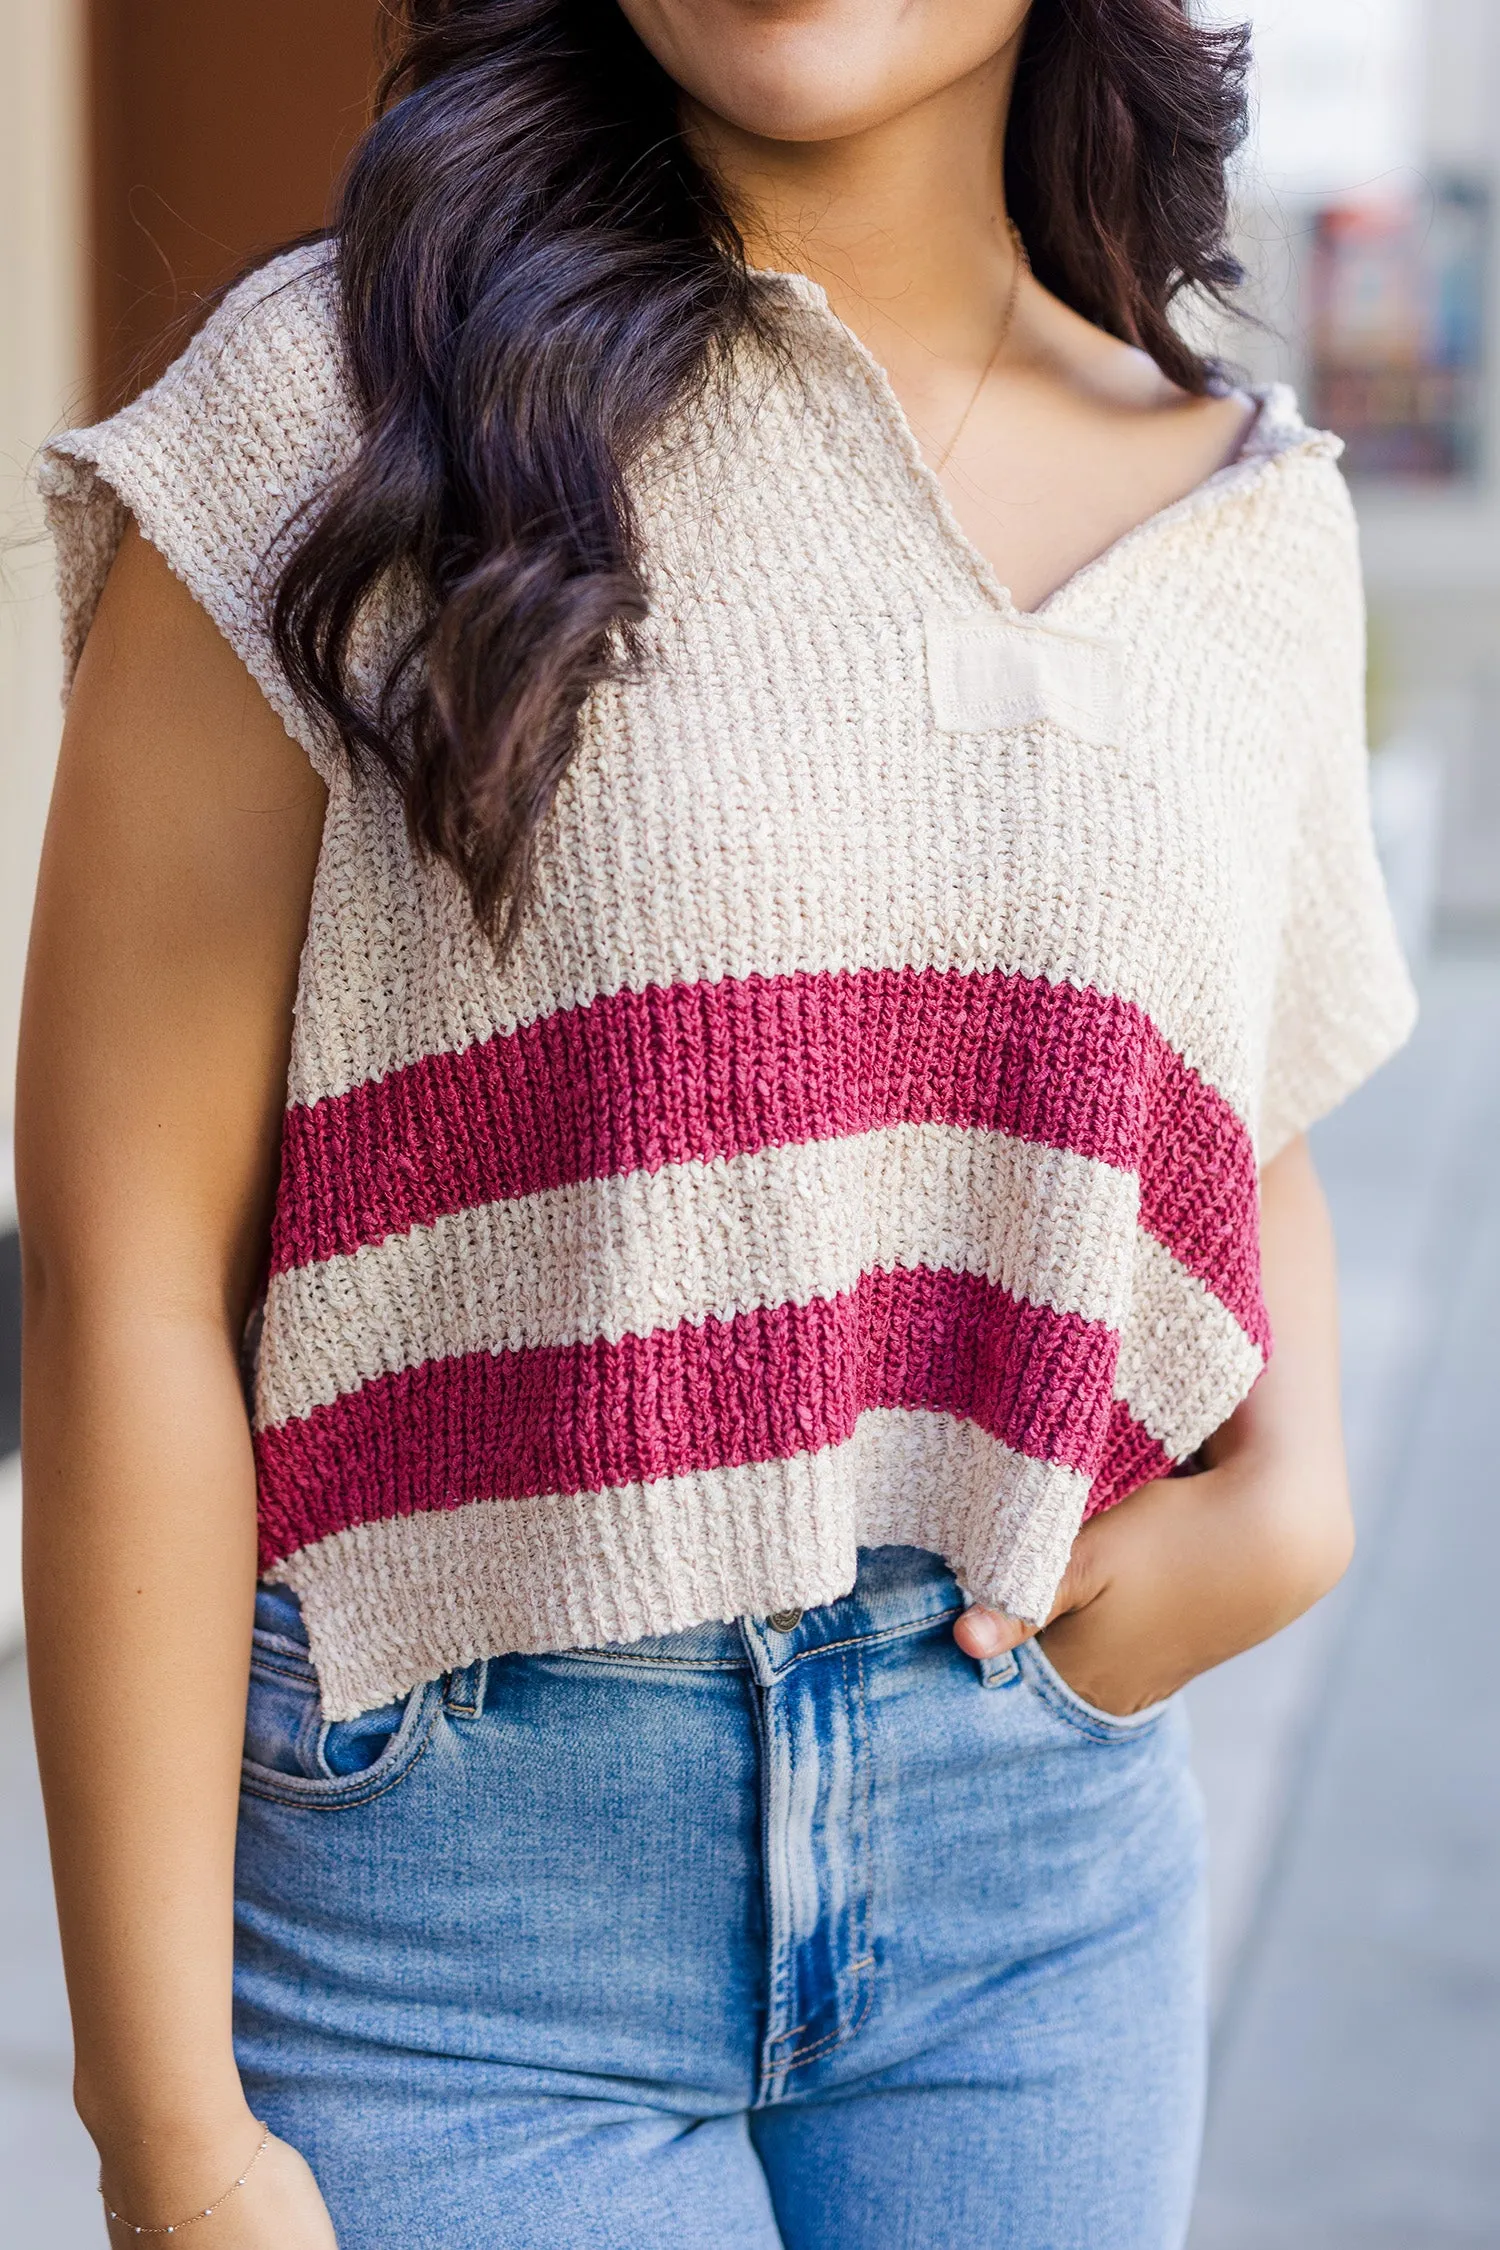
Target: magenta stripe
(1131,1458)
(1200,1194)
(760,1386)
(697,1071)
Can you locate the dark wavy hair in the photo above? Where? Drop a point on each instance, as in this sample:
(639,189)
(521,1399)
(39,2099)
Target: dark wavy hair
(535,273)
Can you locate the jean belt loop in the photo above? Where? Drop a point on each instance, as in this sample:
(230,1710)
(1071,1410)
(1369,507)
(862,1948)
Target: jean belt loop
(463,1690)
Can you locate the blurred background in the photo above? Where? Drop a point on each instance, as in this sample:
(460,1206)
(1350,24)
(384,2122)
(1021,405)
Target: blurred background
(1351,1768)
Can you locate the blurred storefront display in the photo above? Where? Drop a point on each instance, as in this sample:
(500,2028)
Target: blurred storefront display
(1396,330)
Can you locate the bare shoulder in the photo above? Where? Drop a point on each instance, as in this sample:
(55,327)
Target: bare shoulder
(1119,393)
(185,823)
(170,913)
(160,690)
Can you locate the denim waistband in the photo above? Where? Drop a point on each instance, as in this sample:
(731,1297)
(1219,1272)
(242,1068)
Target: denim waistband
(896,1590)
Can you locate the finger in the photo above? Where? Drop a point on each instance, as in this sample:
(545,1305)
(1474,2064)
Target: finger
(989,1632)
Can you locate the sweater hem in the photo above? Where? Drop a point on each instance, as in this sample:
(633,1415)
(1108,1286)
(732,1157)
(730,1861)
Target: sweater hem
(393,1603)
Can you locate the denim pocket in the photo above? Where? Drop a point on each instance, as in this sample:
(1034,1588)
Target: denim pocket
(296,1756)
(1042,1675)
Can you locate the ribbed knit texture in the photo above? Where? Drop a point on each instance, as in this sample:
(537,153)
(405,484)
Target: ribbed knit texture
(860,1144)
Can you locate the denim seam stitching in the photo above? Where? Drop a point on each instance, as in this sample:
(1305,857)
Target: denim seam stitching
(303,1673)
(338,1798)
(661,1663)
(1079,1716)
(770,1729)
(845,2032)
(867,1640)
(864,1965)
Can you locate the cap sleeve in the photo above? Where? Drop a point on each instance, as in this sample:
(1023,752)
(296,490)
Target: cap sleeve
(219,463)
(1343,1000)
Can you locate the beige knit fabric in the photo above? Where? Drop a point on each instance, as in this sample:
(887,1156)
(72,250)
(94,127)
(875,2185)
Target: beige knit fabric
(1127,836)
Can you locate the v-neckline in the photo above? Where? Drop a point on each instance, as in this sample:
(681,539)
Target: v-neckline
(1276,418)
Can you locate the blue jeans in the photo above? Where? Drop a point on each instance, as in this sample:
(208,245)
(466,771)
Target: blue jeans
(802,1933)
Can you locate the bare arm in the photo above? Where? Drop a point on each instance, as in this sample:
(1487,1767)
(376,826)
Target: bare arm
(1192,1570)
(174,892)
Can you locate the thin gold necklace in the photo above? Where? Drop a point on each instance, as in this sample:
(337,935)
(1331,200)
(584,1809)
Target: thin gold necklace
(1022,265)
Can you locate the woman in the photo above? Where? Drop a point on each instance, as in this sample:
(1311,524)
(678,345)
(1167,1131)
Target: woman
(709,856)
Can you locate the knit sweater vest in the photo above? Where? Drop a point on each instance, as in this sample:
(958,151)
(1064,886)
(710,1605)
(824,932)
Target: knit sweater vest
(859,1145)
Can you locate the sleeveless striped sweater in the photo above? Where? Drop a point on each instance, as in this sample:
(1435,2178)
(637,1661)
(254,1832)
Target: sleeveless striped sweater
(860,1145)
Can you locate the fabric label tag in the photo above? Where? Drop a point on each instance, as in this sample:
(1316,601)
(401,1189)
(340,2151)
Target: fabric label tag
(984,673)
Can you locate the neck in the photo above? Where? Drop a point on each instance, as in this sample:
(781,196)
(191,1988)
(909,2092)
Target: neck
(902,222)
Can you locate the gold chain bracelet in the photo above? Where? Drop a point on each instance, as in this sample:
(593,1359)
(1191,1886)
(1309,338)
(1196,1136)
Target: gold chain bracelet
(209,2209)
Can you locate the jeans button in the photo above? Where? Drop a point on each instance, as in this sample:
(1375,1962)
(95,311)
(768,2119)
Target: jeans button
(784,1620)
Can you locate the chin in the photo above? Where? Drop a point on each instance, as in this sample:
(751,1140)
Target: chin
(793,104)
(819,70)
